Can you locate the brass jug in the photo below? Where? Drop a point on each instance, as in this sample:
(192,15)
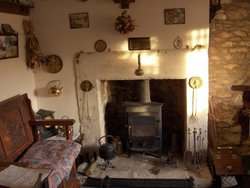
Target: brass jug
(54,88)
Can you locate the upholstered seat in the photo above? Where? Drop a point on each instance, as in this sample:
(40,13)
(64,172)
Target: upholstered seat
(57,155)
(20,142)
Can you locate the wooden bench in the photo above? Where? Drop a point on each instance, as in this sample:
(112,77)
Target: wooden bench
(19,135)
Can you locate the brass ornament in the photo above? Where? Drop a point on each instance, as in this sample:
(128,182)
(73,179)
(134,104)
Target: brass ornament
(195,82)
(86,86)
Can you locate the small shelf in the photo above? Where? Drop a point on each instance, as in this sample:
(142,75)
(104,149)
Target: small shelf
(15,8)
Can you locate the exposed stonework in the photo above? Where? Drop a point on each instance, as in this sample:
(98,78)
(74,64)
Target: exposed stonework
(229,65)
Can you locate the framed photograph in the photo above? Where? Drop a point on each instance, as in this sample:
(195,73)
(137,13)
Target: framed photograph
(8,46)
(174,16)
(141,43)
(79,20)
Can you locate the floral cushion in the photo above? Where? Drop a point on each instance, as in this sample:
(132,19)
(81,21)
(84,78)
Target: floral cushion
(58,155)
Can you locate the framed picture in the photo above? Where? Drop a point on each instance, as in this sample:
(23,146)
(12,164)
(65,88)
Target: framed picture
(174,16)
(79,20)
(8,46)
(141,43)
(7,29)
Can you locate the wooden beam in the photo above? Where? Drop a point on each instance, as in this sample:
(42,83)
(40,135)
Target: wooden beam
(240,87)
(124,3)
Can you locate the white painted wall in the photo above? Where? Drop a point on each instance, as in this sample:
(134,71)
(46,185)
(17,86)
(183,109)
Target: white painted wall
(15,78)
(51,24)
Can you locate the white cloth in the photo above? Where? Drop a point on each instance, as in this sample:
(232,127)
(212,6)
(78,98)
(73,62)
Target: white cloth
(228,181)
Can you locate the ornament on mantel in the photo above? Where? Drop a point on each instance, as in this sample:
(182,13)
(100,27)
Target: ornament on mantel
(124,23)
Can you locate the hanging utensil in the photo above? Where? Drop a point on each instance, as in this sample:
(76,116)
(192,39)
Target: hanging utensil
(195,154)
(195,83)
(86,86)
(199,138)
(188,156)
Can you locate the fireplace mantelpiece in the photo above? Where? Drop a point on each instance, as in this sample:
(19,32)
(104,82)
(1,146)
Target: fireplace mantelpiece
(144,127)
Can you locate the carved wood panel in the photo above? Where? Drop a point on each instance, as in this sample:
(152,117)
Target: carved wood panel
(2,153)
(16,134)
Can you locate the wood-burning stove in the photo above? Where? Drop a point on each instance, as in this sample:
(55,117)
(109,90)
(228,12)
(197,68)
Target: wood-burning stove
(144,127)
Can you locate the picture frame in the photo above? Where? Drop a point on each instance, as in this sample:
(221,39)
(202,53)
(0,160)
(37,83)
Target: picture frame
(139,43)
(79,20)
(7,29)
(174,16)
(8,46)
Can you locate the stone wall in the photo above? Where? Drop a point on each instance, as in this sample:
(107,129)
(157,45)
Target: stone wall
(229,64)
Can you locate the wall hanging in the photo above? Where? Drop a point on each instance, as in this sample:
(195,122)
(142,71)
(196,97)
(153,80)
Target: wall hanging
(174,16)
(79,20)
(86,86)
(139,43)
(178,43)
(34,53)
(54,64)
(124,23)
(100,46)
(8,46)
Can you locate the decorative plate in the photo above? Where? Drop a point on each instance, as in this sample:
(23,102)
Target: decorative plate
(100,45)
(54,64)
(195,82)
(178,43)
(86,85)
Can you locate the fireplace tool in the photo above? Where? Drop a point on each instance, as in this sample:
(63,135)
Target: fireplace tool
(195,154)
(107,152)
(188,156)
(195,83)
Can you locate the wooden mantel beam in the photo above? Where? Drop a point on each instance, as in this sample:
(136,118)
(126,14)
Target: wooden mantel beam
(124,3)
(240,87)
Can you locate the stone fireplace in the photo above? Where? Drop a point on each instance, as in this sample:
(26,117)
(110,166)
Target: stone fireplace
(112,74)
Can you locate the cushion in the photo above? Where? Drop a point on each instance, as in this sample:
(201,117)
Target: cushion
(57,155)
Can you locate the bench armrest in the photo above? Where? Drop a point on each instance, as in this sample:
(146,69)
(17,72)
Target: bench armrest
(67,123)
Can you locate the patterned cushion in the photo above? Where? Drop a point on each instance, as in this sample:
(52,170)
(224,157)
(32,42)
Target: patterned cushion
(58,155)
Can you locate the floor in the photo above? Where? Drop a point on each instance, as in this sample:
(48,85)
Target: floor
(145,166)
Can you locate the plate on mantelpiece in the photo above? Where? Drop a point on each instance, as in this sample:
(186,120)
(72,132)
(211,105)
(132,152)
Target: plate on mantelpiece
(100,46)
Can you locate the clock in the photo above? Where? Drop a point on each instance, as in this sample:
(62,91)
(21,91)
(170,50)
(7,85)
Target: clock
(54,64)
(46,130)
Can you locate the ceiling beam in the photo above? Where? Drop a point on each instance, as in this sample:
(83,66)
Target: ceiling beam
(124,3)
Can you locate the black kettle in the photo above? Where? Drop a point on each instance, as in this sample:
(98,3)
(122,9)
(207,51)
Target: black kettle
(107,151)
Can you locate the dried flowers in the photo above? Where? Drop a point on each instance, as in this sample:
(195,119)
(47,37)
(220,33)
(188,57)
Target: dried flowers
(124,23)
